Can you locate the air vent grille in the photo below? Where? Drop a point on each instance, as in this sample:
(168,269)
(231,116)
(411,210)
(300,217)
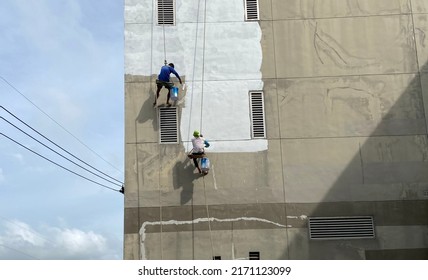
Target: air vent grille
(257,115)
(254,255)
(341,227)
(251,9)
(166,12)
(168,130)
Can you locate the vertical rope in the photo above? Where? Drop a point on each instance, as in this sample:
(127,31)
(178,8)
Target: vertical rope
(203,62)
(200,129)
(209,219)
(136,134)
(159,148)
(163,28)
(191,100)
(194,70)
(280,144)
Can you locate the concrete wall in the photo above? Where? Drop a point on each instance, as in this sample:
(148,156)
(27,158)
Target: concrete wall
(346,97)
(219,56)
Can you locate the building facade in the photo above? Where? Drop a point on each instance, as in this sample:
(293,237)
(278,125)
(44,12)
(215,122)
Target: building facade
(316,112)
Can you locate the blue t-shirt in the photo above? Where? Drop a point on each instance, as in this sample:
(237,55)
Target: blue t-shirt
(165,72)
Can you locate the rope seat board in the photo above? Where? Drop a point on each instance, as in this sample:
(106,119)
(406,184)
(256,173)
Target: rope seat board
(196,156)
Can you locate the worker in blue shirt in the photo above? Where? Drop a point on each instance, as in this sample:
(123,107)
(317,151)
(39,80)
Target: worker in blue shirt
(164,81)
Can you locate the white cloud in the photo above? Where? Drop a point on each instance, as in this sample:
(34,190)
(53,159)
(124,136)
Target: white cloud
(18,233)
(19,240)
(76,241)
(67,58)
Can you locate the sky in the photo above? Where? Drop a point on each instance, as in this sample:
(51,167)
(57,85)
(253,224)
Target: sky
(61,73)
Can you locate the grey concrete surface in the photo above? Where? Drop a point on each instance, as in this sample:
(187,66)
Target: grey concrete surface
(346,100)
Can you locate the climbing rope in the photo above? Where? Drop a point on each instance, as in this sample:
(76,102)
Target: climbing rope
(202,91)
(191,103)
(202,102)
(163,29)
(208,216)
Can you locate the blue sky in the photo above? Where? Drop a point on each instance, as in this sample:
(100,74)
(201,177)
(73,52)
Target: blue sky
(64,59)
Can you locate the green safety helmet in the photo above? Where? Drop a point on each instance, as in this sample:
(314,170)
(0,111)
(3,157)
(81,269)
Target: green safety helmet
(196,133)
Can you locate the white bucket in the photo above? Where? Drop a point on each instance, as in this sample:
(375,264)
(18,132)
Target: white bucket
(174,93)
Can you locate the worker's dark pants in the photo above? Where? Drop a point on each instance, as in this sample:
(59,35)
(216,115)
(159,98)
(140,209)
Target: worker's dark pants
(195,160)
(161,84)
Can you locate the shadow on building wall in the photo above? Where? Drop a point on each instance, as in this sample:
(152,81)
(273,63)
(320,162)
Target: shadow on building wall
(184,178)
(386,179)
(147,111)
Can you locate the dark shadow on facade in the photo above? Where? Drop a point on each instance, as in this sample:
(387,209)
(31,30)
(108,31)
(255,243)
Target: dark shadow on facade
(147,111)
(183,178)
(390,167)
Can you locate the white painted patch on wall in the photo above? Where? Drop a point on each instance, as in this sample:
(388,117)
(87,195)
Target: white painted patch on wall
(301,217)
(217,52)
(212,172)
(195,221)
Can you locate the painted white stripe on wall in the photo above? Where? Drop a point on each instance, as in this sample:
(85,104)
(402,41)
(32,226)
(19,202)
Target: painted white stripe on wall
(196,221)
(225,52)
(235,147)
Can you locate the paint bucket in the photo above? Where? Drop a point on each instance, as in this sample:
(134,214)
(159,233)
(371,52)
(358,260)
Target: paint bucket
(174,93)
(205,164)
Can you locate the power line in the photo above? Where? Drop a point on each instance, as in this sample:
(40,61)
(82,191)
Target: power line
(57,164)
(29,229)
(87,164)
(16,250)
(66,130)
(13,249)
(59,153)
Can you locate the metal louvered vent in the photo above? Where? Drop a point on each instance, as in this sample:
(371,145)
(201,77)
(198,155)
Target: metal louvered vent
(257,115)
(254,256)
(341,227)
(251,9)
(166,12)
(168,130)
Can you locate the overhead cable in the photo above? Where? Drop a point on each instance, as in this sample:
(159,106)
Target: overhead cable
(59,153)
(16,250)
(66,130)
(57,164)
(87,164)
(30,229)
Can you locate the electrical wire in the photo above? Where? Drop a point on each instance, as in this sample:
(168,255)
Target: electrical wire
(16,250)
(19,225)
(202,103)
(93,173)
(57,164)
(87,164)
(52,119)
(163,28)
